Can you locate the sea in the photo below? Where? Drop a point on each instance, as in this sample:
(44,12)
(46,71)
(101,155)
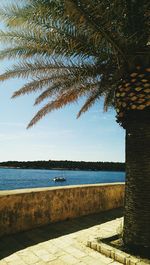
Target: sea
(16,178)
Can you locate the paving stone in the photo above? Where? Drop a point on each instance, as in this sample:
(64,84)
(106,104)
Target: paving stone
(67,239)
(44,255)
(81,263)
(88,260)
(59,244)
(98,255)
(16,262)
(56,262)
(99,262)
(39,251)
(24,251)
(48,257)
(60,253)
(75,252)
(28,257)
(3,262)
(69,259)
(51,248)
(14,257)
(41,263)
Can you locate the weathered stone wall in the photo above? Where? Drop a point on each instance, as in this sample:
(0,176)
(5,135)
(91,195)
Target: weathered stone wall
(28,208)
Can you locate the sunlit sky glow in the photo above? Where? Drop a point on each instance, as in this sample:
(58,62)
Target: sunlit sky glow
(59,136)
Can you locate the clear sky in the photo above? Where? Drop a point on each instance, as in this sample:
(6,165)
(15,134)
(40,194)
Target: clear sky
(94,137)
(59,136)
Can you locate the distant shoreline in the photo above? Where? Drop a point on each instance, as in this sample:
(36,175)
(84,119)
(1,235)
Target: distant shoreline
(71,169)
(64,165)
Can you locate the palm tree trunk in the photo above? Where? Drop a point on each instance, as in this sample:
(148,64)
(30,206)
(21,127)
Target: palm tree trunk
(136,234)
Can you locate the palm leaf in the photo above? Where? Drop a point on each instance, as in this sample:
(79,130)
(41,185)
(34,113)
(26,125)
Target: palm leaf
(73,48)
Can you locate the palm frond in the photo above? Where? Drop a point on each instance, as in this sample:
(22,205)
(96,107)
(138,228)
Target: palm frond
(71,48)
(61,101)
(94,96)
(32,87)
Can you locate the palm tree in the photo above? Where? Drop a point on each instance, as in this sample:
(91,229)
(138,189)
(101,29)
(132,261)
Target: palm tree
(94,49)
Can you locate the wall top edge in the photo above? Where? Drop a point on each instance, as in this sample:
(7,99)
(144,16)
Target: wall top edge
(34,190)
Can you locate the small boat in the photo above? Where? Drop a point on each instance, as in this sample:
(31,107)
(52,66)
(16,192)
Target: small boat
(59,179)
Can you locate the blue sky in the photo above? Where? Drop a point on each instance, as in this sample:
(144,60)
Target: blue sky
(94,137)
(60,136)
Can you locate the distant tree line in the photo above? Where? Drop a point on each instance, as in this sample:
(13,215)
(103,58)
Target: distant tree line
(65,164)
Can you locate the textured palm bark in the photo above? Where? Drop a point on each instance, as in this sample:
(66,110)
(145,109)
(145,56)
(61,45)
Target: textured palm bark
(137,195)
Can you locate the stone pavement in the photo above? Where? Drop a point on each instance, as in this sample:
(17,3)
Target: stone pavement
(62,243)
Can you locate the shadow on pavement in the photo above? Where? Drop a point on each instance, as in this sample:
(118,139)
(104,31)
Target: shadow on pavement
(13,243)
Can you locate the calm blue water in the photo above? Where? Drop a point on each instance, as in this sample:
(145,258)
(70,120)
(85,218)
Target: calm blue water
(11,179)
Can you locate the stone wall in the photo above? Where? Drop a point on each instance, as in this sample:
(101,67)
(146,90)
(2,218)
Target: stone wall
(29,208)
